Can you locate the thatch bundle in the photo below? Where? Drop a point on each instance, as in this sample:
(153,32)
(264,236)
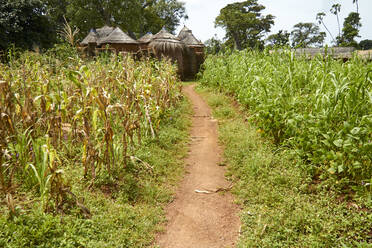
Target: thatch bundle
(145,40)
(164,44)
(115,38)
(366,54)
(195,55)
(335,52)
(92,37)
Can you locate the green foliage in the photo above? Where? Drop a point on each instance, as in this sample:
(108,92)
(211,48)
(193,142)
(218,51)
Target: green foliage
(336,8)
(320,18)
(34,24)
(244,24)
(282,206)
(76,170)
(105,107)
(214,45)
(320,108)
(306,35)
(365,44)
(350,31)
(279,39)
(133,16)
(23,23)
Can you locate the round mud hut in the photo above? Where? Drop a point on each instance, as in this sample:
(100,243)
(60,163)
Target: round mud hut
(164,44)
(195,56)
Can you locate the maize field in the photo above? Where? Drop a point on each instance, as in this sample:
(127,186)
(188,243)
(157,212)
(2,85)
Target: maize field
(320,108)
(93,113)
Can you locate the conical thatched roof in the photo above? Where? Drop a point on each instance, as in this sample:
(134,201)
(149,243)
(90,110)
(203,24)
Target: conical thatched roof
(92,37)
(165,44)
(117,36)
(104,31)
(185,31)
(146,38)
(164,35)
(188,38)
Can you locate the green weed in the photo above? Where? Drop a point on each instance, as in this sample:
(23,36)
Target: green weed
(281,204)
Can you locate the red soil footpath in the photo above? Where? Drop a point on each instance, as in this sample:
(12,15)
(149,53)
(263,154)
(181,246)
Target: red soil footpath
(201,216)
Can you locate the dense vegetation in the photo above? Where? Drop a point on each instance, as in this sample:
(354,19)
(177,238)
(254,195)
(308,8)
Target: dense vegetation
(321,109)
(31,24)
(281,205)
(85,148)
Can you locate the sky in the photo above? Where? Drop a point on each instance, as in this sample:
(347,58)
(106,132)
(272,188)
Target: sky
(202,14)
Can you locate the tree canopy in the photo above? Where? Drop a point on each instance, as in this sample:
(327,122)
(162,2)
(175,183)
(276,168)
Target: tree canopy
(279,39)
(244,23)
(28,22)
(134,16)
(350,30)
(365,44)
(23,22)
(307,35)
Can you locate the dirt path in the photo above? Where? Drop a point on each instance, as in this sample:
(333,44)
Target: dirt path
(201,220)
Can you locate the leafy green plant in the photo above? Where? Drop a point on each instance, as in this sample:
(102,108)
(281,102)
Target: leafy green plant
(321,108)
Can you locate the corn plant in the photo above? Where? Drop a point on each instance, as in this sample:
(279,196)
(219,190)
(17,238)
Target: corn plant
(322,108)
(102,108)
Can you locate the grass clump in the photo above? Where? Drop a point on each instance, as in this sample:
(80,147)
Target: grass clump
(282,206)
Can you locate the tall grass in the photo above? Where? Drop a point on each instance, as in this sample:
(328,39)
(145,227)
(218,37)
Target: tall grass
(321,108)
(94,113)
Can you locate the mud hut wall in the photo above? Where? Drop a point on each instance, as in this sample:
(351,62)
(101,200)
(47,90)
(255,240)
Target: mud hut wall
(144,46)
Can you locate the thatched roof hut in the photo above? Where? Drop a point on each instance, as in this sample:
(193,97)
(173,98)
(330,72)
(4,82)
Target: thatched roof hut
(120,41)
(165,44)
(145,40)
(115,38)
(92,37)
(195,55)
(188,38)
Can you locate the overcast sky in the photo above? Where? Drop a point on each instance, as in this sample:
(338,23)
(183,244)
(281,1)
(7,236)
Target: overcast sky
(202,14)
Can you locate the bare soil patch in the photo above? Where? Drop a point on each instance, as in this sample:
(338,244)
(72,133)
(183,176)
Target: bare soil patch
(202,214)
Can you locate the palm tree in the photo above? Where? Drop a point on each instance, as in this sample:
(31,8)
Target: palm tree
(357,5)
(336,8)
(319,18)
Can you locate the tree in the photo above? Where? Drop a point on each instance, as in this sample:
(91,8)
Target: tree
(137,16)
(356,2)
(214,45)
(350,30)
(336,8)
(365,44)
(307,34)
(24,24)
(244,24)
(320,18)
(279,39)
